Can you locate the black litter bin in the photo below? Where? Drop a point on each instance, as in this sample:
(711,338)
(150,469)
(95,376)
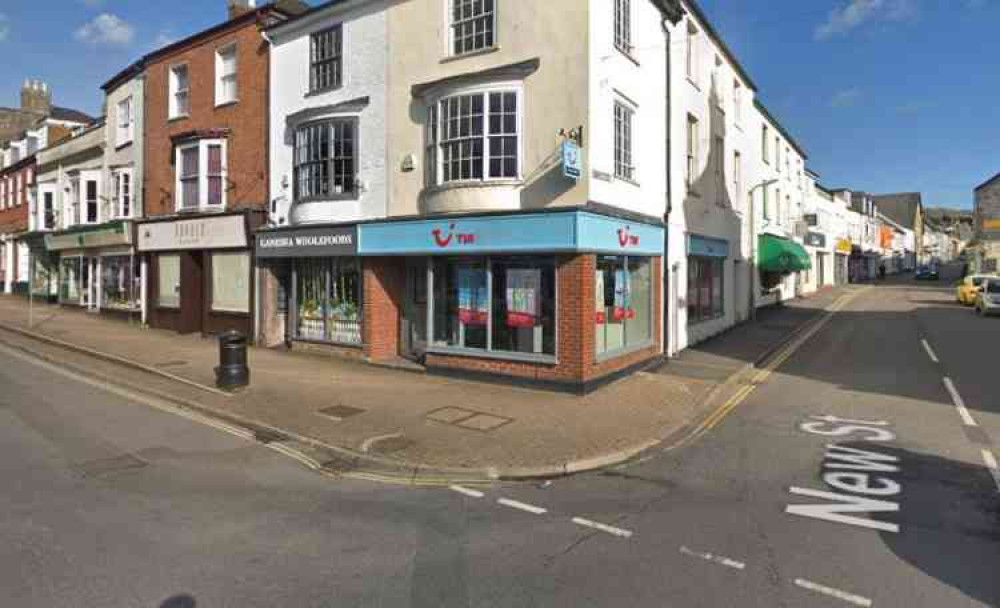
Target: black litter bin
(233,371)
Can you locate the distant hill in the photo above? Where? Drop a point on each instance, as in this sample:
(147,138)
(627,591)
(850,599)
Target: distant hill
(947,215)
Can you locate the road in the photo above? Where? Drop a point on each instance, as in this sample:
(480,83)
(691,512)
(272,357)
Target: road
(113,503)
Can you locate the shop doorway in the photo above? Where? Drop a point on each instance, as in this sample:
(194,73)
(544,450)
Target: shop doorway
(413,323)
(192,293)
(90,275)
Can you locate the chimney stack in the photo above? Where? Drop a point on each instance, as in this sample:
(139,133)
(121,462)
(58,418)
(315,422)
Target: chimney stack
(36,97)
(240,7)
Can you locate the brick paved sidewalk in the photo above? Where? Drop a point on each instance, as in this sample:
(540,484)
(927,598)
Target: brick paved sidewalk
(429,422)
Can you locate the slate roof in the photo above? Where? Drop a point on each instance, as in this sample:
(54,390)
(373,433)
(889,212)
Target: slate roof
(70,115)
(901,207)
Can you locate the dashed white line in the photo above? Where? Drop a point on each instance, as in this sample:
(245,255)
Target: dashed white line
(522,506)
(717,559)
(959,403)
(467,491)
(991,464)
(930,351)
(602,527)
(857,600)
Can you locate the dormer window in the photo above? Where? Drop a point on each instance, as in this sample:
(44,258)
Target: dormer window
(473,25)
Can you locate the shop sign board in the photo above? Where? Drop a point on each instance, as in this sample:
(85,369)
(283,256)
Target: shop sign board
(845,246)
(707,247)
(816,239)
(572,160)
(223,232)
(326,241)
(541,232)
(112,235)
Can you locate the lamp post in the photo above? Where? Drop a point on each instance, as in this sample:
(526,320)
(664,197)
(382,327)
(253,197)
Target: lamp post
(752,300)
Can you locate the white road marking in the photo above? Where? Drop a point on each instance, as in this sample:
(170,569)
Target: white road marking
(857,600)
(718,559)
(602,527)
(991,464)
(959,403)
(930,351)
(522,506)
(468,492)
(367,443)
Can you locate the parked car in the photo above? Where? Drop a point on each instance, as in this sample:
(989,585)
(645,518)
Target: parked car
(988,297)
(927,273)
(968,289)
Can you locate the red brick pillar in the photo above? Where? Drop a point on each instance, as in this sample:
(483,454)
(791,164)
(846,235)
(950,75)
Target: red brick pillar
(384,286)
(575,299)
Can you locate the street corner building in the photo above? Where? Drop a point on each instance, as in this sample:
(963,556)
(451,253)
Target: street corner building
(205,172)
(436,207)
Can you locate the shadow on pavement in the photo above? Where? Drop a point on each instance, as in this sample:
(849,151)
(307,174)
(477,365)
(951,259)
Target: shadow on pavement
(948,518)
(179,601)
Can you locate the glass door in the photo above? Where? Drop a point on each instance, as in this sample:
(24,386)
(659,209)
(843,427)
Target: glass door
(90,279)
(413,336)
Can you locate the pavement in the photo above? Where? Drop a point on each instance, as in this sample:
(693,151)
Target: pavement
(345,417)
(845,472)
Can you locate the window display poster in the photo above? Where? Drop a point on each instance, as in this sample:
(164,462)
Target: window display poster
(599,296)
(473,296)
(623,296)
(523,297)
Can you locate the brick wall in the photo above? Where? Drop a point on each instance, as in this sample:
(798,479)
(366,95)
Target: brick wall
(384,286)
(246,120)
(15,218)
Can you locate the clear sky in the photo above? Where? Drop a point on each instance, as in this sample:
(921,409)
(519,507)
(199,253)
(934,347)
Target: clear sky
(885,95)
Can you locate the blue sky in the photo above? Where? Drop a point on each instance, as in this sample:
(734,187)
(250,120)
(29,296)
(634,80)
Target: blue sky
(885,95)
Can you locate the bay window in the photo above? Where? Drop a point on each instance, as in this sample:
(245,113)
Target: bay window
(231,282)
(475,137)
(473,25)
(326,160)
(200,168)
(623,303)
(495,304)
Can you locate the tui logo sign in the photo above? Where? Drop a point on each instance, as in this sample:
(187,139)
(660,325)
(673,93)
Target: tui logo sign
(444,241)
(626,238)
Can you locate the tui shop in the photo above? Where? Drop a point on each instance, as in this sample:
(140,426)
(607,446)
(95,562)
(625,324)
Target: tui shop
(567,299)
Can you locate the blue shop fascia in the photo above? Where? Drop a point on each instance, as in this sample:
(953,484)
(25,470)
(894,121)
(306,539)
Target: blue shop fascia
(569,298)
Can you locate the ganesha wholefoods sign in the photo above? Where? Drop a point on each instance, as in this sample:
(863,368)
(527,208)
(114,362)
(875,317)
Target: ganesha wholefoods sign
(328,241)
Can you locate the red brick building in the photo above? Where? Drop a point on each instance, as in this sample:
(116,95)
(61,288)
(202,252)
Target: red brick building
(206,172)
(16,181)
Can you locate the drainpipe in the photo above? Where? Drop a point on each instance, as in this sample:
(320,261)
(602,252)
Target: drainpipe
(668,271)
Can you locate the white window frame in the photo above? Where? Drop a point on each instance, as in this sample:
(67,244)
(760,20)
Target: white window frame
(765,136)
(737,176)
(40,222)
(17,190)
(220,77)
(202,145)
(117,184)
(81,182)
(451,25)
(692,135)
(691,52)
(3,194)
(624,170)
(174,111)
(737,102)
(124,129)
(438,170)
(623,26)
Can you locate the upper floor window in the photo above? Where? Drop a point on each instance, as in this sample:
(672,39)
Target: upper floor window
(777,154)
(691,59)
(788,162)
(200,168)
(737,176)
(737,102)
(124,123)
(473,25)
(17,192)
(764,141)
(624,169)
(122,183)
(623,26)
(478,137)
(179,91)
(326,155)
(84,202)
(326,64)
(225,75)
(691,172)
(47,212)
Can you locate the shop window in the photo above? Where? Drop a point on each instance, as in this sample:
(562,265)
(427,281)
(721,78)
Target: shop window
(624,303)
(502,304)
(231,282)
(168,272)
(328,293)
(326,160)
(705,289)
(119,282)
(69,280)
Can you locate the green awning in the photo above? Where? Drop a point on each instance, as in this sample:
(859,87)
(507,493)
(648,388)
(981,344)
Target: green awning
(777,254)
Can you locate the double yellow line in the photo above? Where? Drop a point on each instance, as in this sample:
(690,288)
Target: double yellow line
(765,372)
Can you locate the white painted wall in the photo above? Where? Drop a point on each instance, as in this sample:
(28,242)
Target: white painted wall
(365,72)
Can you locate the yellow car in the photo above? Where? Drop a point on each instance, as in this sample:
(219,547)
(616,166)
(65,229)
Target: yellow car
(968,289)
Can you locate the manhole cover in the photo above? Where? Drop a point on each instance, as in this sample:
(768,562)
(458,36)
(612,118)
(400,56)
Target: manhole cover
(390,445)
(96,468)
(341,412)
(450,415)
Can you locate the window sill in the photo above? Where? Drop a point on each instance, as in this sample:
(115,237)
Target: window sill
(621,352)
(627,180)
(477,53)
(327,199)
(500,356)
(201,209)
(122,146)
(323,91)
(226,104)
(474,184)
(627,53)
(178,118)
(229,313)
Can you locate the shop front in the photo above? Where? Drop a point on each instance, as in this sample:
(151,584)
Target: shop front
(841,255)
(568,298)
(310,287)
(200,272)
(95,267)
(778,257)
(44,268)
(819,276)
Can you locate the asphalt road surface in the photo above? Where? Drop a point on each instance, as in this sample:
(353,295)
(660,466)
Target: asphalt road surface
(860,472)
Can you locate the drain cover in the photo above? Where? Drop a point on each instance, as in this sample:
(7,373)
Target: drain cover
(96,468)
(341,412)
(390,445)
